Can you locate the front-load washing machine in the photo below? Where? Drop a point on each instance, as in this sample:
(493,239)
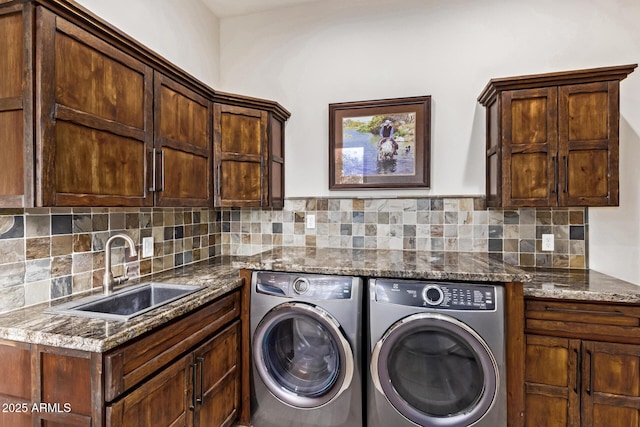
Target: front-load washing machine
(306,350)
(436,354)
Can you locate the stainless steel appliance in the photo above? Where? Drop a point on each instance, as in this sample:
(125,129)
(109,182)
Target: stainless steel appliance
(306,350)
(436,354)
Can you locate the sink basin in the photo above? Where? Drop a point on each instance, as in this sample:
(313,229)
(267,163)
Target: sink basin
(127,303)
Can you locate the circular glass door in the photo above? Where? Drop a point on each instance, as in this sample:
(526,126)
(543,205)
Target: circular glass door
(435,370)
(302,355)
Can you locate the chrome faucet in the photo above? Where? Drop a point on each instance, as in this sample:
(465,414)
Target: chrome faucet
(108,281)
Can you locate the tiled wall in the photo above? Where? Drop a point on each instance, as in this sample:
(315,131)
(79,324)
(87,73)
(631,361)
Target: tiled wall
(49,253)
(442,224)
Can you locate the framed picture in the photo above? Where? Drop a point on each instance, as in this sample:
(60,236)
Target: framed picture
(380,144)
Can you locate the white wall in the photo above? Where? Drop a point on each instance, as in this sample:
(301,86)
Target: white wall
(308,56)
(185,32)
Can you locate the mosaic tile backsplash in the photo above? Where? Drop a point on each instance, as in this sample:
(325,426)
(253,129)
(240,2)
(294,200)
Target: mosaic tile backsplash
(50,253)
(414,224)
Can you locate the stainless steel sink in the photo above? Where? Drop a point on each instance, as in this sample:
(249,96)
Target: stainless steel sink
(127,303)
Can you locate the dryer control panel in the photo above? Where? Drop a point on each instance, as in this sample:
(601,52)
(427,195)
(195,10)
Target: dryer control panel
(308,286)
(438,295)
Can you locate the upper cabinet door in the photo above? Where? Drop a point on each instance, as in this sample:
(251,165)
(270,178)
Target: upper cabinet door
(552,139)
(183,145)
(94,127)
(530,142)
(276,163)
(588,149)
(16,107)
(241,153)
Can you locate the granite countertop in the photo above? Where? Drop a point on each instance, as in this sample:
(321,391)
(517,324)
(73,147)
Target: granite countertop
(220,276)
(585,285)
(34,325)
(471,266)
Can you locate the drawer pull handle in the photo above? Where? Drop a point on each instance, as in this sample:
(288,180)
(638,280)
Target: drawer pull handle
(578,311)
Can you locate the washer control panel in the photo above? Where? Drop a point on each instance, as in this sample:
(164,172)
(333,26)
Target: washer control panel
(439,295)
(309,286)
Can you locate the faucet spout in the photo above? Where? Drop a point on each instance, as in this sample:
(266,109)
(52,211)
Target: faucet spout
(108,281)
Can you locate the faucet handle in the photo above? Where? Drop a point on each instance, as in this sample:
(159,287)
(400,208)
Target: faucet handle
(121,279)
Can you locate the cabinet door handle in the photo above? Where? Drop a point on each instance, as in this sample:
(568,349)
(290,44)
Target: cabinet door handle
(566,173)
(200,361)
(194,369)
(590,386)
(555,174)
(153,171)
(219,182)
(161,171)
(577,385)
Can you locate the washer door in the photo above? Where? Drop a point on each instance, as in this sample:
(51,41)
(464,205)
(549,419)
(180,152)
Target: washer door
(302,355)
(435,370)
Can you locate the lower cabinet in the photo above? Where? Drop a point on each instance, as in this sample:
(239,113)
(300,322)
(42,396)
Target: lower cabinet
(186,373)
(200,389)
(582,364)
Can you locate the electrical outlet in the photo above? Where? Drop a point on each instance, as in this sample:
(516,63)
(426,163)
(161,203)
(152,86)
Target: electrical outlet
(311,221)
(147,247)
(547,242)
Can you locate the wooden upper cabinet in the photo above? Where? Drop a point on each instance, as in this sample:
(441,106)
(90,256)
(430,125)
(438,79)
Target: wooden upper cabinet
(248,140)
(94,131)
(183,145)
(530,145)
(90,117)
(16,107)
(240,141)
(276,163)
(552,139)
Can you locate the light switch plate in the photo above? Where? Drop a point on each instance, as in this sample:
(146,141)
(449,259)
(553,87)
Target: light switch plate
(547,242)
(147,247)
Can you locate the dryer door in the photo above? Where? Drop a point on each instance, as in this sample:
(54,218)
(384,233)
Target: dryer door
(435,370)
(302,356)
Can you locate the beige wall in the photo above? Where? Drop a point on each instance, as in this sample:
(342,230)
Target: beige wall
(185,32)
(311,55)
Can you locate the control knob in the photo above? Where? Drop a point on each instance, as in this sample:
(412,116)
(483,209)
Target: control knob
(432,295)
(300,286)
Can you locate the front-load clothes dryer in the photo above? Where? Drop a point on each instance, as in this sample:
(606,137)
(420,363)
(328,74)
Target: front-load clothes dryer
(436,354)
(306,350)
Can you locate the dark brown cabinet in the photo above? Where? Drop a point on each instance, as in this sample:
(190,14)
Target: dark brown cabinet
(240,139)
(249,152)
(582,364)
(186,373)
(89,117)
(95,126)
(16,107)
(552,139)
(183,146)
(200,389)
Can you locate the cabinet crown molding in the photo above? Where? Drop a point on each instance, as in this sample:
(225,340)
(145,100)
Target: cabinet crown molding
(497,85)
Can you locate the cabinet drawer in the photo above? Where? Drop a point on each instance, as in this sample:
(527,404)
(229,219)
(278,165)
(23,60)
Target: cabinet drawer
(132,363)
(608,322)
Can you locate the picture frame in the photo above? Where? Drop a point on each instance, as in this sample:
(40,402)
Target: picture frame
(380,144)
